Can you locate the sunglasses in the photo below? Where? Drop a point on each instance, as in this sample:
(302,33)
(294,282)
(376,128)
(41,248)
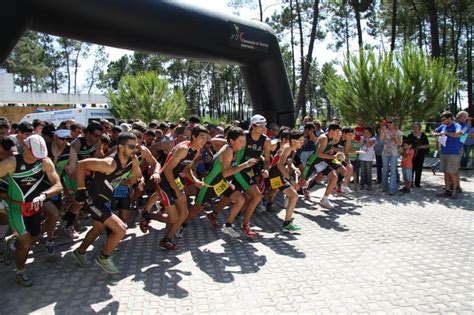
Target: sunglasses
(389,122)
(132,146)
(62,139)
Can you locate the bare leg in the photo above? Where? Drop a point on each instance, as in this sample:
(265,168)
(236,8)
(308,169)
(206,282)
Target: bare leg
(52,216)
(255,197)
(24,244)
(292,195)
(118,232)
(332,181)
(238,201)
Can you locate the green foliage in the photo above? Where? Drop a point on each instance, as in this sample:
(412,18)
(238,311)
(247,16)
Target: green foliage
(405,84)
(145,96)
(28,64)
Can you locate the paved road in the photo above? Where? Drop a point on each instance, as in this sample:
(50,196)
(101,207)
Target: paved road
(375,253)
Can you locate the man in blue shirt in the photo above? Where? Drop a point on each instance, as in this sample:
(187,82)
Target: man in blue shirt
(450,131)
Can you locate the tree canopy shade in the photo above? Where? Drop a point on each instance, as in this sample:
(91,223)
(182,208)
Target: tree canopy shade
(404,84)
(170,27)
(147,97)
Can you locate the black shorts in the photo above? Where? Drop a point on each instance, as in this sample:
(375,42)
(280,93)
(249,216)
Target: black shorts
(100,210)
(167,194)
(33,224)
(205,194)
(279,183)
(242,181)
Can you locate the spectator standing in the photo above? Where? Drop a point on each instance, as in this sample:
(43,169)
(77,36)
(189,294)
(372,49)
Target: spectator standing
(421,145)
(378,148)
(392,138)
(468,144)
(449,133)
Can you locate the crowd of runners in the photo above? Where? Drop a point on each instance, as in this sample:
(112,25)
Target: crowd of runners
(54,178)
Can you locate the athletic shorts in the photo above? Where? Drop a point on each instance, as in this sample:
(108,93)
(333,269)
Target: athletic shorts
(23,225)
(218,190)
(100,210)
(122,198)
(167,194)
(242,181)
(449,163)
(277,183)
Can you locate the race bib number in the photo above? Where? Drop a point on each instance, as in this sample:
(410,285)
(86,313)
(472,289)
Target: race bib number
(220,187)
(276,182)
(121,191)
(320,166)
(251,173)
(179,183)
(27,209)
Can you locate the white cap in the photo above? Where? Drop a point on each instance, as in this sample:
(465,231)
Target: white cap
(125,127)
(258,120)
(37,146)
(63,133)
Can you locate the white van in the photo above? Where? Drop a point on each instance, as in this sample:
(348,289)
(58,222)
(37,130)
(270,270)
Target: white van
(81,115)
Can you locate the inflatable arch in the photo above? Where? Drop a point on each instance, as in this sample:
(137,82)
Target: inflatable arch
(166,26)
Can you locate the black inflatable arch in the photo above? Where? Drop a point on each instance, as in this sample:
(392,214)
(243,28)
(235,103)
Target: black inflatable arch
(165,26)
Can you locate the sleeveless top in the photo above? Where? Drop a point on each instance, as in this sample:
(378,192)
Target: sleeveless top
(103,185)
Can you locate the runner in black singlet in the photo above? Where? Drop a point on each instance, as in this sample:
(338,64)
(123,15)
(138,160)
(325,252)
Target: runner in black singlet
(108,174)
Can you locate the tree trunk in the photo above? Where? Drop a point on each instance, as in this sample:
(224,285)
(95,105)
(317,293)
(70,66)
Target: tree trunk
(359,29)
(444,35)
(293,63)
(301,101)
(394,24)
(433,14)
(420,25)
(261,11)
(470,104)
(300,27)
(346,30)
(76,67)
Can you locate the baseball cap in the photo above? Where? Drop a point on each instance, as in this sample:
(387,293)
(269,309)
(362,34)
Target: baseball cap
(63,133)
(258,120)
(37,146)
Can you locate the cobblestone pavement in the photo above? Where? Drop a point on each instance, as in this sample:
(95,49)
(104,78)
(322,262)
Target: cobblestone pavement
(375,253)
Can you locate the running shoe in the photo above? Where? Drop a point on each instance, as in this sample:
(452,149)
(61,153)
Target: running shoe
(248,231)
(229,230)
(50,248)
(168,245)
(212,218)
(345,189)
(24,279)
(81,259)
(326,203)
(107,264)
(291,227)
